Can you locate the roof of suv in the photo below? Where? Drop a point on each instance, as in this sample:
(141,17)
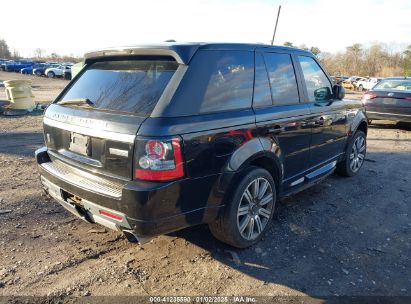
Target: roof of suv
(182,52)
(397,78)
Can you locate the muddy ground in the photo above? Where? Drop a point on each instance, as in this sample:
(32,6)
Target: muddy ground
(345,236)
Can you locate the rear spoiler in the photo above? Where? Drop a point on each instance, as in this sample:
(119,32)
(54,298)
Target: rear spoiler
(181,55)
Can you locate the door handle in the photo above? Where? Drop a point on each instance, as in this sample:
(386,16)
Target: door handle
(275,130)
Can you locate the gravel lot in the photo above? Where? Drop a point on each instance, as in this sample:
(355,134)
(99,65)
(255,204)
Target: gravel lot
(345,236)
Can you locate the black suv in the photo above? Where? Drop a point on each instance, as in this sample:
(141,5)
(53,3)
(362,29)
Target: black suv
(152,139)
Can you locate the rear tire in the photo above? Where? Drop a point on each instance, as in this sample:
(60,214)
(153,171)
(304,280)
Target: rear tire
(51,74)
(360,88)
(38,73)
(354,155)
(249,210)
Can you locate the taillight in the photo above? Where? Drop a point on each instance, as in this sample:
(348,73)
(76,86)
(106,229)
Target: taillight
(368,96)
(408,98)
(158,159)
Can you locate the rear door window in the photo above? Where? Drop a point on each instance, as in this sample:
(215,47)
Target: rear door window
(283,82)
(133,86)
(215,81)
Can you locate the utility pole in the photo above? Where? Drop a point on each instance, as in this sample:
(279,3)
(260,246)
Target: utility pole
(276,23)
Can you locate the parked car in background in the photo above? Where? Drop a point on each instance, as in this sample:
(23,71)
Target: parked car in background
(351,81)
(339,79)
(2,63)
(367,84)
(29,69)
(58,71)
(39,71)
(389,99)
(16,66)
(356,81)
(200,133)
(8,63)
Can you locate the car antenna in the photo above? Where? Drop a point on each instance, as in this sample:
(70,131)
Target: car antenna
(276,23)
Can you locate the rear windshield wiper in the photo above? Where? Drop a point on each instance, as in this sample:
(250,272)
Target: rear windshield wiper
(78,101)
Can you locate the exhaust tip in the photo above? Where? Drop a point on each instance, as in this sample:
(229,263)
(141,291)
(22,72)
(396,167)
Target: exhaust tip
(130,236)
(133,238)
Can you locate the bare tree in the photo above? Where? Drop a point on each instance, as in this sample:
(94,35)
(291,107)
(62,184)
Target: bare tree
(4,49)
(16,54)
(39,52)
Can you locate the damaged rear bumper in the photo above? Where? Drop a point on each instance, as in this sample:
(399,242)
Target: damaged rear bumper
(140,210)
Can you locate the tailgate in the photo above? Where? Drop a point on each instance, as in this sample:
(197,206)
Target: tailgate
(97,141)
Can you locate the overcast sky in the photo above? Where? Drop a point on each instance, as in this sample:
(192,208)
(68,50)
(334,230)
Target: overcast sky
(76,26)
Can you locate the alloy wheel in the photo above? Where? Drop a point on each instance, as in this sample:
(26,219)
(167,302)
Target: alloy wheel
(255,208)
(357,154)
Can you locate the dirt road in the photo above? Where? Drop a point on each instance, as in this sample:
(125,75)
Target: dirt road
(345,236)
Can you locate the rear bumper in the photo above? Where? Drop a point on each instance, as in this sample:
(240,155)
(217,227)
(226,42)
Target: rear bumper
(148,208)
(388,116)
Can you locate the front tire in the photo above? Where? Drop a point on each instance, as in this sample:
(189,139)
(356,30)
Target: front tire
(51,74)
(355,155)
(360,88)
(38,73)
(249,211)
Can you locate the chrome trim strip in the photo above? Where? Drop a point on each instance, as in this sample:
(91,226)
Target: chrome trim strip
(128,138)
(118,152)
(77,157)
(324,169)
(298,181)
(380,113)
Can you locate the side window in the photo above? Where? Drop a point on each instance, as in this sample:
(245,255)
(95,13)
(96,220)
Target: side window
(215,81)
(318,86)
(262,92)
(283,82)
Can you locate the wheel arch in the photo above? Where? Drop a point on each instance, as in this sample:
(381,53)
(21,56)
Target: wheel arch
(258,152)
(359,123)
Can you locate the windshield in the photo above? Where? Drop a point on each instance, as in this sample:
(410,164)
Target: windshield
(403,85)
(132,86)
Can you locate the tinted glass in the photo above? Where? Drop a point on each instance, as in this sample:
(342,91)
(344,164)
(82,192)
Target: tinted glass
(262,92)
(125,86)
(215,81)
(282,78)
(318,86)
(394,85)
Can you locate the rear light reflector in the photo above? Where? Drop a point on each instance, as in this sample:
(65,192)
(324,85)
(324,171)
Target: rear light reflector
(159,159)
(368,96)
(111,215)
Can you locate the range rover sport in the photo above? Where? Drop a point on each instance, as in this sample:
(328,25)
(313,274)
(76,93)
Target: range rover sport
(152,139)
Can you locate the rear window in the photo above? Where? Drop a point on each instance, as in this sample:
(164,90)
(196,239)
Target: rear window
(394,85)
(215,81)
(133,86)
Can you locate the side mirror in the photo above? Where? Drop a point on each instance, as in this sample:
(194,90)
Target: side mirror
(338,92)
(322,94)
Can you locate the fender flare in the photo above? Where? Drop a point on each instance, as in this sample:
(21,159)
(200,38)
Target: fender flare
(357,120)
(253,150)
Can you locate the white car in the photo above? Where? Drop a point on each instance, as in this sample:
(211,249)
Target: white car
(57,71)
(367,84)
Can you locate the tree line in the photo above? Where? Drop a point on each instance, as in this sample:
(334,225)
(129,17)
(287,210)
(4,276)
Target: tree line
(377,59)
(39,54)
